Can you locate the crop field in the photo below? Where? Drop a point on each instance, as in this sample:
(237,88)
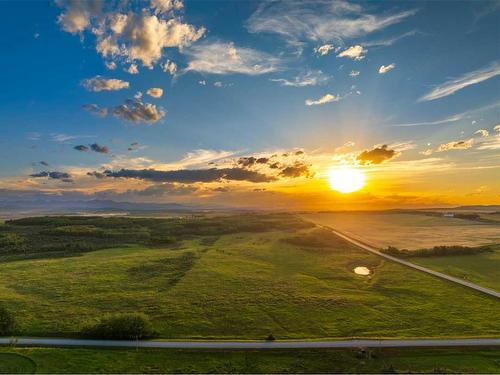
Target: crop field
(410,231)
(282,276)
(75,360)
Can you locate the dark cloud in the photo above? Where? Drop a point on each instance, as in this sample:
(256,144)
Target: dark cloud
(96,174)
(96,110)
(298,169)
(300,152)
(44,163)
(81,148)
(192,175)
(137,111)
(377,155)
(247,161)
(63,176)
(262,160)
(98,148)
(274,165)
(133,146)
(221,189)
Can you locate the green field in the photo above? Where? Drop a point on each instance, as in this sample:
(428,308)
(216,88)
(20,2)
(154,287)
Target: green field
(482,269)
(410,231)
(437,360)
(288,279)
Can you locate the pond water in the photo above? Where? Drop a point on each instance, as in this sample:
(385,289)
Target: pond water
(362,271)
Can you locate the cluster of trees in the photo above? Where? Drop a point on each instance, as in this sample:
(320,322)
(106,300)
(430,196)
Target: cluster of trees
(130,326)
(69,235)
(436,251)
(7,322)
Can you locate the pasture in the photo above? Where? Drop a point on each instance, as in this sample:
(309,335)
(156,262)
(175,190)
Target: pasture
(77,360)
(409,230)
(289,279)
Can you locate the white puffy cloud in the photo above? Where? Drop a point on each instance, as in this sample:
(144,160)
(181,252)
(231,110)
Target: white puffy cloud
(155,92)
(482,132)
(165,6)
(170,67)
(111,65)
(99,83)
(226,58)
(132,69)
(356,52)
(354,73)
(497,128)
(310,78)
(319,21)
(386,68)
(468,79)
(202,82)
(77,14)
(130,36)
(218,84)
(456,145)
(325,49)
(328,98)
(137,111)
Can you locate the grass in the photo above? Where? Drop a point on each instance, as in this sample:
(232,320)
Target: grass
(410,231)
(482,269)
(76,360)
(246,286)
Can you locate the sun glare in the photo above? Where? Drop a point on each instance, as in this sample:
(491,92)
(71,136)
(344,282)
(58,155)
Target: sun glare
(346,179)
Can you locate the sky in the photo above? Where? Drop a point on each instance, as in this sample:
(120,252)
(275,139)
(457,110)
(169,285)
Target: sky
(251,103)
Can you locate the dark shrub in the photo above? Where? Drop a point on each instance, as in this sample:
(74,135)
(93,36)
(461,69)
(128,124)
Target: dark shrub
(270,337)
(121,327)
(6,322)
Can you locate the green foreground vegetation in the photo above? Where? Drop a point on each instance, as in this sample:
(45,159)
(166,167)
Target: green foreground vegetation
(75,360)
(243,277)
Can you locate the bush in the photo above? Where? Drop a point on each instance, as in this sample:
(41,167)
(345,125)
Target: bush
(270,337)
(6,322)
(121,327)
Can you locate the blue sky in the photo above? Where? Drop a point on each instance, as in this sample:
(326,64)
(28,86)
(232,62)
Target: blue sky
(245,72)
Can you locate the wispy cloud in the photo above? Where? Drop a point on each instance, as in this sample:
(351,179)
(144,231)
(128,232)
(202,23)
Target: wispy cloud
(99,83)
(456,145)
(226,58)
(468,79)
(310,78)
(388,41)
(319,21)
(386,68)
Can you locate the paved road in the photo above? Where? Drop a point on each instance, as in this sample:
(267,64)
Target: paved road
(61,342)
(373,250)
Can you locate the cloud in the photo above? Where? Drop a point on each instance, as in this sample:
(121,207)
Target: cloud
(63,176)
(345,146)
(427,152)
(99,83)
(310,78)
(96,110)
(132,69)
(482,132)
(98,148)
(77,15)
(130,34)
(356,52)
(456,145)
(298,169)
(377,155)
(468,79)
(354,73)
(192,175)
(111,65)
(170,67)
(386,68)
(490,143)
(44,163)
(388,41)
(328,98)
(60,137)
(453,118)
(81,148)
(319,21)
(137,111)
(226,58)
(155,92)
(325,49)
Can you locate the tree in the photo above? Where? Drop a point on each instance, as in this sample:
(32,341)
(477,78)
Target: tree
(132,326)
(6,322)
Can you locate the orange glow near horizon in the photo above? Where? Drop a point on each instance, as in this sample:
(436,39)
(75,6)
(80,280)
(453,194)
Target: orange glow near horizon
(346,179)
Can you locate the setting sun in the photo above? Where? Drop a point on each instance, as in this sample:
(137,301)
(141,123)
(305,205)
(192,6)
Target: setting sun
(346,179)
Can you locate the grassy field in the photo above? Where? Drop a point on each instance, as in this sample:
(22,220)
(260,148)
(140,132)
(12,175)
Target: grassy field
(410,231)
(437,360)
(243,285)
(482,269)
